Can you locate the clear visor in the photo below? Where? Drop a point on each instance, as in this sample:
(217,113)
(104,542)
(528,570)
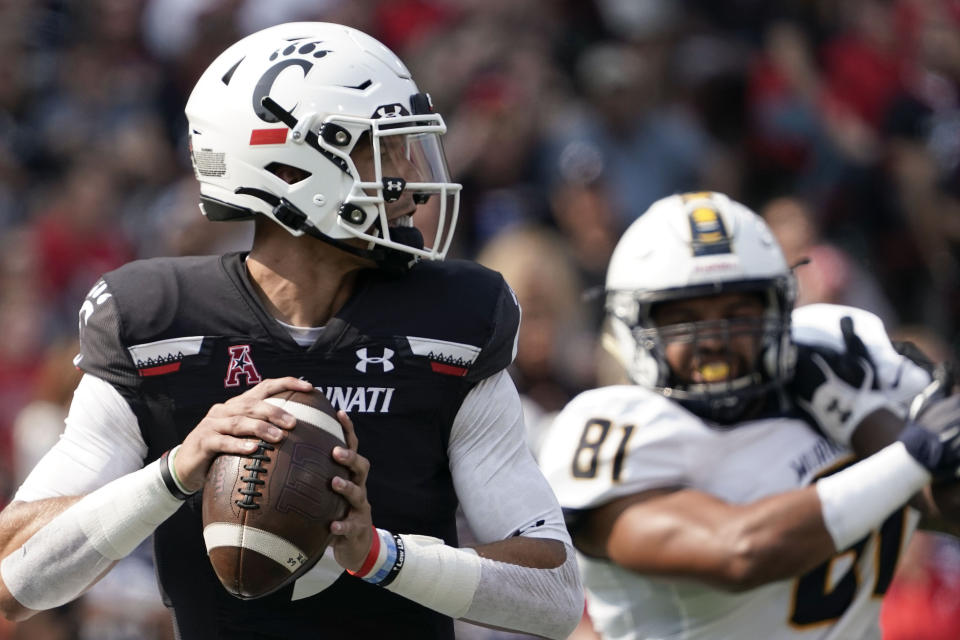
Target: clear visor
(415,157)
(403,180)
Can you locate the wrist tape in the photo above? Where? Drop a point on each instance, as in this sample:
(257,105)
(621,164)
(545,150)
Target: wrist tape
(426,571)
(856,500)
(542,602)
(432,574)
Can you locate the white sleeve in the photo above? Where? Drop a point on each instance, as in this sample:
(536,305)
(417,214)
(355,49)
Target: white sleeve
(503,494)
(501,489)
(101,442)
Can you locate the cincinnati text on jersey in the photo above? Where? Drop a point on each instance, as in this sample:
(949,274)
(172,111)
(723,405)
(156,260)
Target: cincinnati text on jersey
(360,399)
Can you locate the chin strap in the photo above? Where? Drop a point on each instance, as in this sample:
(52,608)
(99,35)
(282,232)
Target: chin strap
(392,261)
(387,259)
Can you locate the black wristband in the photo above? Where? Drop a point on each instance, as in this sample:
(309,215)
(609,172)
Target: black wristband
(398,563)
(168,480)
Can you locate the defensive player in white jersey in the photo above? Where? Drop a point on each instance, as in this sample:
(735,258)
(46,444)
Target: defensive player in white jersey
(703,502)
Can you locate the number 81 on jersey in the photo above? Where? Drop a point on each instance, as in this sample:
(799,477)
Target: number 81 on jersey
(587,458)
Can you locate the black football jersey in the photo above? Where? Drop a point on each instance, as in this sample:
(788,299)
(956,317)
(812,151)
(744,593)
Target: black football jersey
(177,335)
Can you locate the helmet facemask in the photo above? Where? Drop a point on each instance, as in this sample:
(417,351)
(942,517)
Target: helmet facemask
(713,259)
(406,159)
(717,396)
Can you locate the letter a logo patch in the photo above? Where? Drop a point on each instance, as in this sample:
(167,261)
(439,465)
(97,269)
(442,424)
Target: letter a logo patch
(241,364)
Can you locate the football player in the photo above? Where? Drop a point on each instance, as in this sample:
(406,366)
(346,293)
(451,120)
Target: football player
(714,494)
(318,133)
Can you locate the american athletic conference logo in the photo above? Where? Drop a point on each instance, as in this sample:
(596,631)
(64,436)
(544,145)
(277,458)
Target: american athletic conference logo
(383,360)
(241,364)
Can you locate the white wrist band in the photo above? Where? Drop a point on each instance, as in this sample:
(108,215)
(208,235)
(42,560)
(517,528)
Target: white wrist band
(857,499)
(69,553)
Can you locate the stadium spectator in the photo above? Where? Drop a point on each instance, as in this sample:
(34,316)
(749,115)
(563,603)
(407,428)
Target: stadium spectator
(650,146)
(825,273)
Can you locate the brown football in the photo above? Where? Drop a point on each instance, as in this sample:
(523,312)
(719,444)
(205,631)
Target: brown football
(266,516)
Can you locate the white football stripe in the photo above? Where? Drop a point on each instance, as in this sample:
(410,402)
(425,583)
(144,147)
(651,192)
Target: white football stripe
(188,346)
(225,534)
(311,415)
(438,349)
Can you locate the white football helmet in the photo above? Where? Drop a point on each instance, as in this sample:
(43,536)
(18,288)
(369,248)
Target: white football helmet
(693,245)
(304,95)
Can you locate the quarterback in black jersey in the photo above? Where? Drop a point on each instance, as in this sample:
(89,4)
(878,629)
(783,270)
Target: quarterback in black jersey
(318,133)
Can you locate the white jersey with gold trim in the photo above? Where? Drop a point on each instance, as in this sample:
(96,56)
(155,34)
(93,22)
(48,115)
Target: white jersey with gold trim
(621,440)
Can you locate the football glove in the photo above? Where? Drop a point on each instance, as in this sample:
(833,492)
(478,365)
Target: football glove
(837,389)
(934,438)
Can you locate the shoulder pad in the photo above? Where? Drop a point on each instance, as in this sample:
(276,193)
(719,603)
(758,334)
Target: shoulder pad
(141,304)
(615,441)
(151,294)
(458,313)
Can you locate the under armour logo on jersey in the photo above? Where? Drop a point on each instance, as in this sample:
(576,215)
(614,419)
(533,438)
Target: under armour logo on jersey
(241,364)
(381,360)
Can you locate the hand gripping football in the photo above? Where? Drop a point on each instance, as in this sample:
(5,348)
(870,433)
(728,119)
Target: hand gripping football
(266,516)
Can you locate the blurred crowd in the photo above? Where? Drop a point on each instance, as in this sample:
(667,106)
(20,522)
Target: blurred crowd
(838,121)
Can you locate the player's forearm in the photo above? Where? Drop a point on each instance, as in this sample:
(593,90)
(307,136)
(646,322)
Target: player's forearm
(18,522)
(774,539)
(878,430)
(538,592)
(845,506)
(854,501)
(694,535)
(530,585)
(65,556)
(538,553)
